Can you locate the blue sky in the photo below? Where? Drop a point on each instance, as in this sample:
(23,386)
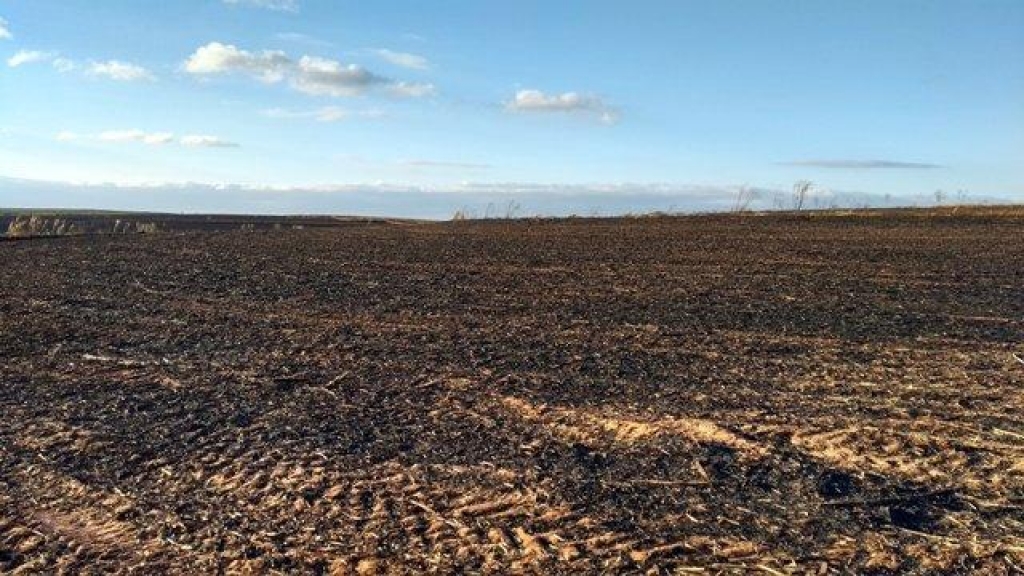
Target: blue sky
(282,100)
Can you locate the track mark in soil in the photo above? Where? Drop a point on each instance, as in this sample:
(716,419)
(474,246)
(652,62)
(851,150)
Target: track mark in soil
(60,512)
(899,450)
(590,427)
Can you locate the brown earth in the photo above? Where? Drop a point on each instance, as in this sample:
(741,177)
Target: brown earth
(722,394)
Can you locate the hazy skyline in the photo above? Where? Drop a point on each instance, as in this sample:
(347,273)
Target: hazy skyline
(280,101)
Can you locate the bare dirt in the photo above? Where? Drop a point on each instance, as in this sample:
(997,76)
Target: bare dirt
(722,394)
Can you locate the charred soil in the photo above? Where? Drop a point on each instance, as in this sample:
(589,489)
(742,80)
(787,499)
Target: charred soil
(791,393)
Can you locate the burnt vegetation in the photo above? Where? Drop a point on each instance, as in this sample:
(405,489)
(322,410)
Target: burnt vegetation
(815,393)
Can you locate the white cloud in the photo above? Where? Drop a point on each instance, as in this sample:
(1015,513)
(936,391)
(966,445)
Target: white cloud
(216,58)
(151,138)
(5,32)
(28,57)
(566,102)
(412,89)
(300,38)
(117,70)
(112,69)
(864,164)
(403,59)
(537,100)
(320,76)
(276,5)
(444,164)
(324,114)
(64,65)
(204,141)
(158,138)
(309,74)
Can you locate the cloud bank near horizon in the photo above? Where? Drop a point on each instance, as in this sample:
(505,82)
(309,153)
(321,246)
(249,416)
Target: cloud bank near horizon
(864,164)
(405,201)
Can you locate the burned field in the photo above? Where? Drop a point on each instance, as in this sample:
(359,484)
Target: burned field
(812,394)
